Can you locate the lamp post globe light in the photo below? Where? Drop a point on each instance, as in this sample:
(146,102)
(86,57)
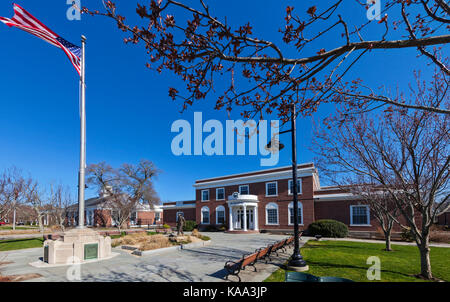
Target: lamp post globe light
(296,262)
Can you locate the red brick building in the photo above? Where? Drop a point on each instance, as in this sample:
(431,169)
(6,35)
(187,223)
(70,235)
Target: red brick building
(444,218)
(262,200)
(185,208)
(98,214)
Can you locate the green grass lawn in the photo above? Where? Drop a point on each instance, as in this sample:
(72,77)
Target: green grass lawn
(348,260)
(18,244)
(8,228)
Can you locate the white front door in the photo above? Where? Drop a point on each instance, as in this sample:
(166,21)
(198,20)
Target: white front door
(250,219)
(239,216)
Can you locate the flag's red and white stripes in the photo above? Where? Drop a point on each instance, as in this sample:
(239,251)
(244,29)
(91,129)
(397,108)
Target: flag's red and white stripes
(27,22)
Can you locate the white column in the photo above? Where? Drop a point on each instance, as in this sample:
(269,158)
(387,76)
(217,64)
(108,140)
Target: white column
(245,218)
(255,219)
(230,219)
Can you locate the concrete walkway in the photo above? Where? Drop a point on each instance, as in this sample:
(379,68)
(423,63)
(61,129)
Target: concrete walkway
(196,264)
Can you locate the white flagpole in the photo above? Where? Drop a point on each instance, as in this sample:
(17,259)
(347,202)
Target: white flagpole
(81,173)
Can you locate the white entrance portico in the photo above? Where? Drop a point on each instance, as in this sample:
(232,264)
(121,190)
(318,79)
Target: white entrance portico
(243,212)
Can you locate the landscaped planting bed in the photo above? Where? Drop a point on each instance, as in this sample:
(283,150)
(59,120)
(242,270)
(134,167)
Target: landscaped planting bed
(142,243)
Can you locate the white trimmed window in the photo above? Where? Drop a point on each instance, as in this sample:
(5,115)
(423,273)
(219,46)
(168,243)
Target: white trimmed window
(205,195)
(205,215)
(291,188)
(291,213)
(220,215)
(220,194)
(271,188)
(244,190)
(272,213)
(133,218)
(157,216)
(359,215)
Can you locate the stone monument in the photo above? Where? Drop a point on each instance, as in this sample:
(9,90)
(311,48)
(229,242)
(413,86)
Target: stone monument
(77,246)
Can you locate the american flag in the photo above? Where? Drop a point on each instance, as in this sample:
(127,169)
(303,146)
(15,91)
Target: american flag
(27,22)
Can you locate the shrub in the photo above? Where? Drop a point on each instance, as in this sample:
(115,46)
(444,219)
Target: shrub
(195,233)
(407,235)
(189,226)
(143,241)
(154,242)
(328,228)
(211,228)
(55,228)
(440,236)
(205,238)
(166,226)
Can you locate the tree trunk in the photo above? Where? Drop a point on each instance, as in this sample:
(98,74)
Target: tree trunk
(119,226)
(387,236)
(61,225)
(41,225)
(14,219)
(425,265)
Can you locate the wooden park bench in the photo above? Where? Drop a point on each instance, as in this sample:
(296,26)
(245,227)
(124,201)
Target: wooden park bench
(280,245)
(290,241)
(262,254)
(266,253)
(235,267)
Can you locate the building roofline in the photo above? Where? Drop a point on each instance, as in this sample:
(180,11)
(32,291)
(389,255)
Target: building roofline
(336,197)
(186,206)
(253,173)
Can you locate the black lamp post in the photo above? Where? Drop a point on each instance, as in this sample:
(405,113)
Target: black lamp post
(296,261)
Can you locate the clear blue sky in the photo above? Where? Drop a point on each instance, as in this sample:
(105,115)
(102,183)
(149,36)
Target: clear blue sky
(129,113)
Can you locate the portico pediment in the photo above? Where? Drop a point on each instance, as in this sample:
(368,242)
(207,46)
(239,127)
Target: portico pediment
(240,198)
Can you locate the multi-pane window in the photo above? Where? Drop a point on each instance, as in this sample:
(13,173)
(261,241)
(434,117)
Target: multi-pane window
(220,194)
(220,215)
(133,218)
(205,195)
(243,190)
(359,215)
(291,188)
(157,217)
(291,213)
(205,215)
(271,189)
(272,213)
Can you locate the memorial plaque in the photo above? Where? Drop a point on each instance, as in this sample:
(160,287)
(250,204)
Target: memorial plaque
(46,254)
(91,251)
